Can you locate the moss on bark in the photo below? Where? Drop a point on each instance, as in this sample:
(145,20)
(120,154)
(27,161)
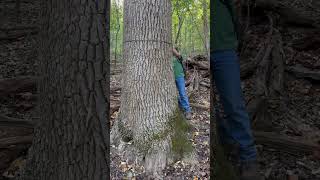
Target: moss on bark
(181,145)
(176,131)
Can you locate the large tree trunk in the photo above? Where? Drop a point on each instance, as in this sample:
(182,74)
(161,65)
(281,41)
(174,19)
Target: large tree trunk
(148,113)
(70,140)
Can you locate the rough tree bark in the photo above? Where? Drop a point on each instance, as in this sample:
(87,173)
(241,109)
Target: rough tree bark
(149,115)
(70,140)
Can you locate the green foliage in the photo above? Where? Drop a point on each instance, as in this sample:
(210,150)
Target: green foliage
(191,38)
(188,12)
(116,29)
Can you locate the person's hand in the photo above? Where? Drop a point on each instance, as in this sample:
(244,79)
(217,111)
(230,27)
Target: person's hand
(175,53)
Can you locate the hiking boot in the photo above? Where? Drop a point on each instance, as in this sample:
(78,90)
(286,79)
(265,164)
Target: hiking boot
(188,115)
(250,171)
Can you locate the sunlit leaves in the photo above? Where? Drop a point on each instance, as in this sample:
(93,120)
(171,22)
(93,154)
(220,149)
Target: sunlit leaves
(188,12)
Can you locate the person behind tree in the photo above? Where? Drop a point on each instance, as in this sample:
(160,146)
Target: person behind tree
(180,83)
(234,131)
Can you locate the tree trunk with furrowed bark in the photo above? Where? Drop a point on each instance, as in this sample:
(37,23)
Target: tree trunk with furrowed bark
(70,140)
(149,96)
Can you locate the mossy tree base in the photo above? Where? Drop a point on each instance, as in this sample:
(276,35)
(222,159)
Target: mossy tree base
(161,149)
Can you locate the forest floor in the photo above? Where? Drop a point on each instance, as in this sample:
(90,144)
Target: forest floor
(292,111)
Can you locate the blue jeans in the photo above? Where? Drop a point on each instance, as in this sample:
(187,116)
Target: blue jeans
(234,127)
(183,97)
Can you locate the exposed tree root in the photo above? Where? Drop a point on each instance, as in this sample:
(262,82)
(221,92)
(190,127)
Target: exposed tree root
(159,150)
(158,157)
(302,72)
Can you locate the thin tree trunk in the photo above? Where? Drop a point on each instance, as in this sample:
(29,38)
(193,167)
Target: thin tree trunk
(185,38)
(199,33)
(181,20)
(117,32)
(191,35)
(206,27)
(70,140)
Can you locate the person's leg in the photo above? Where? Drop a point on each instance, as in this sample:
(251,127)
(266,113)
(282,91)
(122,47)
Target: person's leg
(179,99)
(236,126)
(183,97)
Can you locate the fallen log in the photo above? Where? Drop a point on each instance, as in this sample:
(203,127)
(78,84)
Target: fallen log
(14,122)
(190,80)
(204,84)
(114,108)
(263,73)
(17,85)
(289,15)
(114,98)
(249,68)
(114,89)
(200,65)
(200,106)
(200,58)
(310,42)
(285,143)
(264,65)
(206,74)
(7,142)
(302,72)
(116,72)
(196,81)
